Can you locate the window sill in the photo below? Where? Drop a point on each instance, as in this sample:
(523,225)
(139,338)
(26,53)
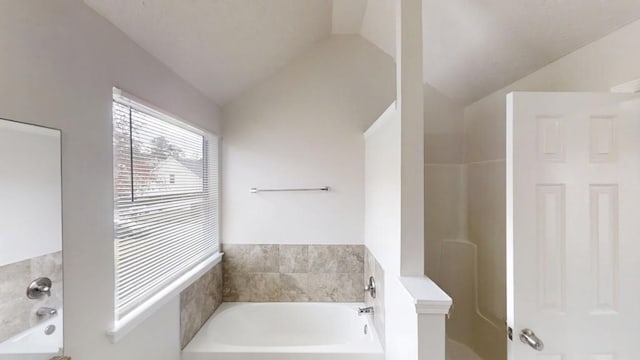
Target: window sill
(122,327)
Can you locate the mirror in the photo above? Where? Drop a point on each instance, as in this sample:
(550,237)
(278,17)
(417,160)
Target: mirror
(30,241)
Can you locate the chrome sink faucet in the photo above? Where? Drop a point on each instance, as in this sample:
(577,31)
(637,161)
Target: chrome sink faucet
(365,310)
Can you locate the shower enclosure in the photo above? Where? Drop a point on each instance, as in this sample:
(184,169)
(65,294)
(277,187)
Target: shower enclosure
(531,230)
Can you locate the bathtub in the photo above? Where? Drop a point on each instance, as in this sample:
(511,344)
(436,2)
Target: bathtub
(33,343)
(286,331)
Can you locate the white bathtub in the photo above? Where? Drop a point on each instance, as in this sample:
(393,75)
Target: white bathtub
(33,343)
(286,331)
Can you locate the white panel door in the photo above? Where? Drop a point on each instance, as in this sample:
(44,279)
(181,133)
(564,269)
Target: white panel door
(573,225)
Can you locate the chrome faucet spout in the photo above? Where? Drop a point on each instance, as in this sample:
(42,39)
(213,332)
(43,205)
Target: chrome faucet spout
(365,310)
(46,311)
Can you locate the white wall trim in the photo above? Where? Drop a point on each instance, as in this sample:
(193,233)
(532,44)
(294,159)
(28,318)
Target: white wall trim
(427,296)
(120,328)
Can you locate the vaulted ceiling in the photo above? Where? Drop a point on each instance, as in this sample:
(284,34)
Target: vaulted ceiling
(221,47)
(471,47)
(475,47)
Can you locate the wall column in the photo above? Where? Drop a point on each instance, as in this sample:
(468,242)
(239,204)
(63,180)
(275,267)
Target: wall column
(410,107)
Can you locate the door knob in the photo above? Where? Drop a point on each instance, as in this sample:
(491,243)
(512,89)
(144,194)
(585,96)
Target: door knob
(528,337)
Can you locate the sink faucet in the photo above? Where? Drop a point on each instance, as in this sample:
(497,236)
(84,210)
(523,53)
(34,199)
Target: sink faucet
(365,310)
(46,311)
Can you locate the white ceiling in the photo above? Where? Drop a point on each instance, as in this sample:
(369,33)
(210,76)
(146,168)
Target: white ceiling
(472,47)
(475,47)
(221,47)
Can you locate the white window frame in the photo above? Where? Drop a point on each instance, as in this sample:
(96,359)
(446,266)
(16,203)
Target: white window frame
(120,327)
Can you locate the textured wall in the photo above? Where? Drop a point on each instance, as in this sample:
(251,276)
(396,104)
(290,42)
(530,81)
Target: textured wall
(17,312)
(297,273)
(198,302)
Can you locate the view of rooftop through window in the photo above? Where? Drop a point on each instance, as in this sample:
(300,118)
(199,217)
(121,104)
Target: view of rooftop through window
(166,158)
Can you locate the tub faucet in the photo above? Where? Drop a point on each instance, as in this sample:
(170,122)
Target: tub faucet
(39,288)
(365,310)
(46,311)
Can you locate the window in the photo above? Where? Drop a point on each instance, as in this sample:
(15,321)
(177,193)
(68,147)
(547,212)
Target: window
(166,200)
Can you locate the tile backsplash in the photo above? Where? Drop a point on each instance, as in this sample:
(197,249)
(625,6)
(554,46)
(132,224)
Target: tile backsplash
(17,312)
(198,302)
(295,273)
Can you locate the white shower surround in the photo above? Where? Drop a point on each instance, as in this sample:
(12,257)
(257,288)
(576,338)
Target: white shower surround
(286,331)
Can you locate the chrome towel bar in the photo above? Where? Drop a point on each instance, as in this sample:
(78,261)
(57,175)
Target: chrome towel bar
(257,190)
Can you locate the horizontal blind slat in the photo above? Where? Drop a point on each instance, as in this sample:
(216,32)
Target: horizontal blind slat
(133,299)
(166,198)
(151,272)
(149,248)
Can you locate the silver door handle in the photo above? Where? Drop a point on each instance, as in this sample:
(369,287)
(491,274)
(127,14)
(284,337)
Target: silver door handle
(528,337)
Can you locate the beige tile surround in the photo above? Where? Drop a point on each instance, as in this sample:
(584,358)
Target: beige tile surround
(198,302)
(17,312)
(295,273)
(278,273)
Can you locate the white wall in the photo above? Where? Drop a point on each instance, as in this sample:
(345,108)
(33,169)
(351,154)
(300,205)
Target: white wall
(60,62)
(410,105)
(382,190)
(383,142)
(303,128)
(30,192)
(444,175)
(443,128)
(448,260)
(607,62)
(408,335)
(598,66)
(401,322)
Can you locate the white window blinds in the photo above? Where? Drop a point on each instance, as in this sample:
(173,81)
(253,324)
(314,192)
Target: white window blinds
(166,200)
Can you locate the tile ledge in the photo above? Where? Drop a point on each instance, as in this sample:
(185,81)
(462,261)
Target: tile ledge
(428,297)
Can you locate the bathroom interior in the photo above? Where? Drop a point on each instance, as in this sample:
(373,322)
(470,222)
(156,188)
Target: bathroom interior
(319,179)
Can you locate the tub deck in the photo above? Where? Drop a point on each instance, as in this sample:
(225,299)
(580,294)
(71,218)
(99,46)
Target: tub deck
(286,331)
(34,343)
